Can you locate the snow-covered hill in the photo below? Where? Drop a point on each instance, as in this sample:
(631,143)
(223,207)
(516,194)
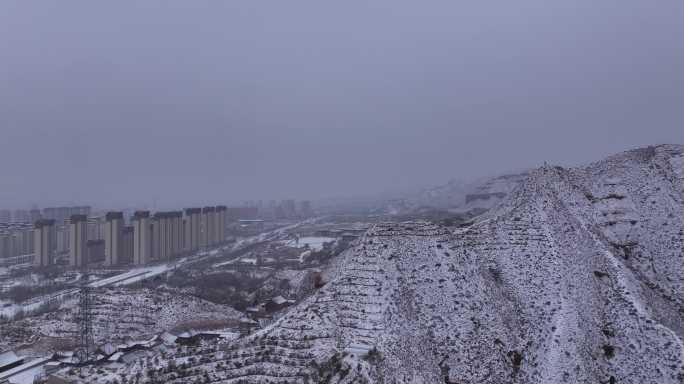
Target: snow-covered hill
(121,314)
(576,277)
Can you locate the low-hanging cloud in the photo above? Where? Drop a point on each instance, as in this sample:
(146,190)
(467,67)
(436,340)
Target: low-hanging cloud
(175,102)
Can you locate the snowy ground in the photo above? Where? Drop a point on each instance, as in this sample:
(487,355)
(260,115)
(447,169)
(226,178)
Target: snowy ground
(314,243)
(122,314)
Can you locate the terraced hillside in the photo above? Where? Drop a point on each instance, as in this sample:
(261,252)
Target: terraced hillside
(577,277)
(124,314)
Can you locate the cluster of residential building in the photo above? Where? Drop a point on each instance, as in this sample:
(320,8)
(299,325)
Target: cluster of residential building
(16,242)
(144,239)
(17,235)
(76,236)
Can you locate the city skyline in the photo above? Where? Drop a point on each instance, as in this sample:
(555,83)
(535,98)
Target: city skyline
(82,235)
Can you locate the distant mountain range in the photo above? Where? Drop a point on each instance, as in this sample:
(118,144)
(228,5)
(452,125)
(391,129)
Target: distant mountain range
(458,196)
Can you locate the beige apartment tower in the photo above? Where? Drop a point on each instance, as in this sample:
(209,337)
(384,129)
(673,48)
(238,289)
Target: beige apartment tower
(221,212)
(215,227)
(142,238)
(167,235)
(192,229)
(78,239)
(127,237)
(113,237)
(207,235)
(177,232)
(160,245)
(44,236)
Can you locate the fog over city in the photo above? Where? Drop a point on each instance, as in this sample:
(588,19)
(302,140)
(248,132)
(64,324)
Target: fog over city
(341,192)
(172,102)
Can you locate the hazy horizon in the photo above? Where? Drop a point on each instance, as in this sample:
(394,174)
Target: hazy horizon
(175,103)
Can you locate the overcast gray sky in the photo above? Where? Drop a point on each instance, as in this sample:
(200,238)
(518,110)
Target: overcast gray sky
(131,102)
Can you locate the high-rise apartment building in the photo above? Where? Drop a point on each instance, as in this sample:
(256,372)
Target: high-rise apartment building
(158,236)
(113,233)
(62,244)
(192,228)
(127,248)
(288,209)
(44,235)
(96,228)
(142,238)
(5,215)
(305,209)
(214,227)
(21,216)
(95,251)
(167,234)
(207,227)
(220,231)
(176,232)
(5,245)
(22,240)
(80,210)
(78,238)
(34,215)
